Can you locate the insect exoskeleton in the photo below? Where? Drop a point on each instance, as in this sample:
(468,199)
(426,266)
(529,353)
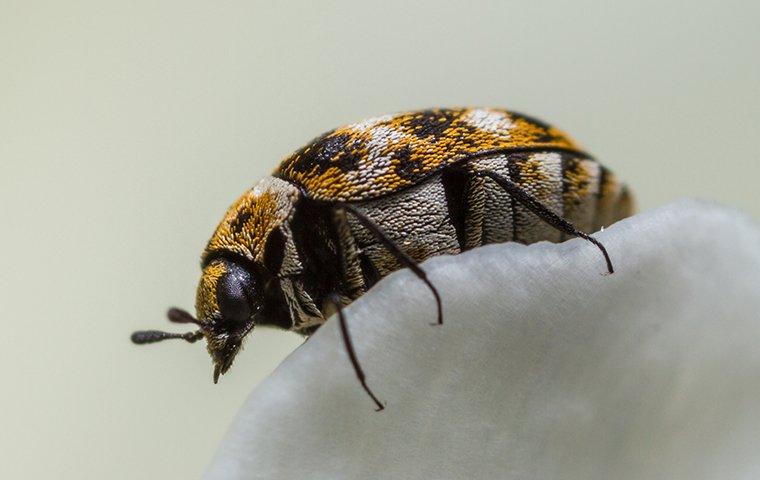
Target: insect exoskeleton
(367,199)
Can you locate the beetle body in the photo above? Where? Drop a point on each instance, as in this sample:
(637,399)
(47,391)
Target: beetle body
(426,183)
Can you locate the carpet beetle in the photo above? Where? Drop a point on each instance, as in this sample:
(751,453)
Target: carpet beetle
(364,200)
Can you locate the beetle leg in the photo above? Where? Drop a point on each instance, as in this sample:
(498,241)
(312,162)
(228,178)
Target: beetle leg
(397,252)
(335,301)
(534,205)
(344,333)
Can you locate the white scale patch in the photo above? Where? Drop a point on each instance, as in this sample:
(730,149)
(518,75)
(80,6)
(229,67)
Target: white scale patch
(379,165)
(275,186)
(489,120)
(368,123)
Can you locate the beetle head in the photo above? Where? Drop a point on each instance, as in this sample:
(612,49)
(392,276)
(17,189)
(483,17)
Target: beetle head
(227,303)
(230,296)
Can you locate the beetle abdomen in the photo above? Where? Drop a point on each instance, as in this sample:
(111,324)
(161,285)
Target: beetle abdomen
(418,220)
(575,187)
(456,210)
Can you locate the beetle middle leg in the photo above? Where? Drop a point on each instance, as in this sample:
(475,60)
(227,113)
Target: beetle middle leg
(397,252)
(346,336)
(542,211)
(339,210)
(335,300)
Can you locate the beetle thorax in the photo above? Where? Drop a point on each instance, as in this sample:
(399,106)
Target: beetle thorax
(252,218)
(245,234)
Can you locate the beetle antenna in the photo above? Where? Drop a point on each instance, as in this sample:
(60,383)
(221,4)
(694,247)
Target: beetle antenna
(152,336)
(177,315)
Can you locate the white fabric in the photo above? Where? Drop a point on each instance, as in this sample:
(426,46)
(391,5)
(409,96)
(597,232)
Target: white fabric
(544,368)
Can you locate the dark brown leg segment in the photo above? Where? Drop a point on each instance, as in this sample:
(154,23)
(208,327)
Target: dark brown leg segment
(346,335)
(334,298)
(397,252)
(535,206)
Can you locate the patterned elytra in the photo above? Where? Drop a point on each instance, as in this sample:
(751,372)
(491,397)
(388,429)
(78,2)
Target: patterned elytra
(381,155)
(364,200)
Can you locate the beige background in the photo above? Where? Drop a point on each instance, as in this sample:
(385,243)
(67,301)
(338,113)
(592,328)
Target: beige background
(126,129)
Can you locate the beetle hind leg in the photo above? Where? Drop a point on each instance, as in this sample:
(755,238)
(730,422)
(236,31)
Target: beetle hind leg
(543,212)
(348,269)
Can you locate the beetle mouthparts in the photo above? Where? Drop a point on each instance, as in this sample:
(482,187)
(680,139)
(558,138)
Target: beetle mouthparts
(217,372)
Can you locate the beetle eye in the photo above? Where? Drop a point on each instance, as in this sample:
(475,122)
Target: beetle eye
(235,294)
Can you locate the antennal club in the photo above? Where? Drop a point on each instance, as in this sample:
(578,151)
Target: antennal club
(152,336)
(175,315)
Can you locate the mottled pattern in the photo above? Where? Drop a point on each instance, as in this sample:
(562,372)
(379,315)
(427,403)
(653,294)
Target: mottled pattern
(573,186)
(540,174)
(382,155)
(415,175)
(249,221)
(419,220)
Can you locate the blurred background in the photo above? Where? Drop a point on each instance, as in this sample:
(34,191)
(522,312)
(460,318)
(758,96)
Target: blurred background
(127,128)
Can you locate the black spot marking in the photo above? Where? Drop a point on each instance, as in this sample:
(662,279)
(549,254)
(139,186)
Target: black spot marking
(305,158)
(432,123)
(349,160)
(341,151)
(238,224)
(405,166)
